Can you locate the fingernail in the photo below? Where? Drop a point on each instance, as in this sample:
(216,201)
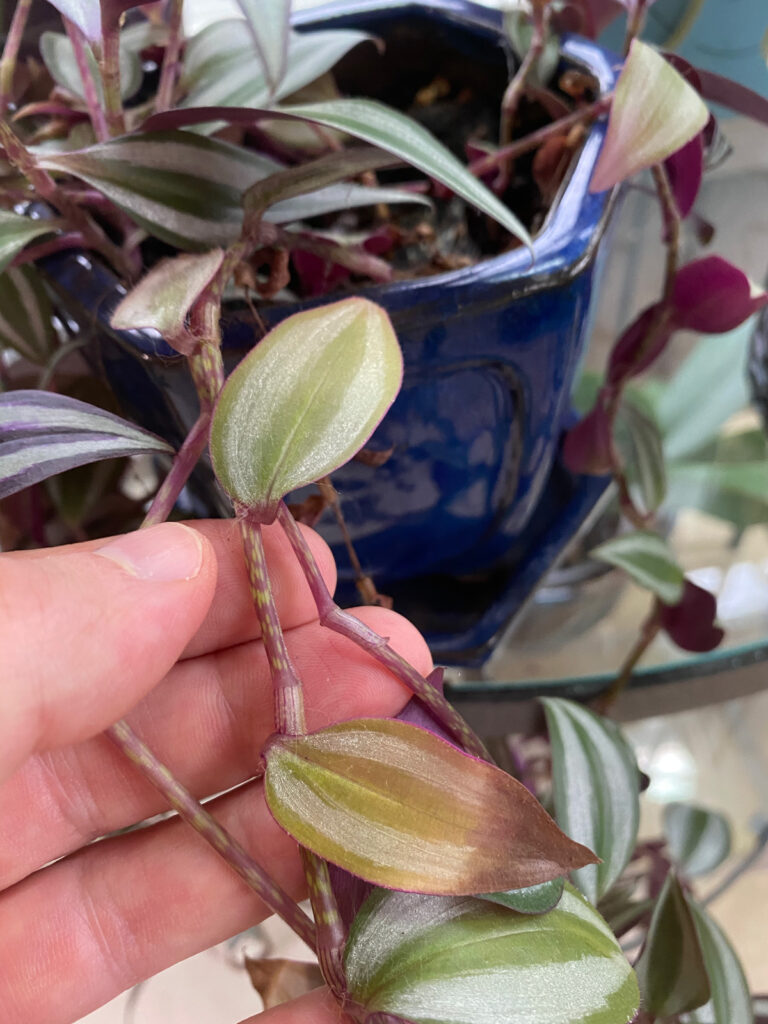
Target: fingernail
(161,553)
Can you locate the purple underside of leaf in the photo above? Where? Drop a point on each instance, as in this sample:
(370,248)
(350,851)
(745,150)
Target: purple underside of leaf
(685,170)
(636,350)
(27,461)
(737,97)
(587,446)
(712,296)
(691,622)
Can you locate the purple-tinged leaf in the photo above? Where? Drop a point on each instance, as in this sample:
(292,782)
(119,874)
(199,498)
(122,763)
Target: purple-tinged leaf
(712,296)
(376,124)
(671,970)
(86,14)
(685,68)
(653,114)
(163,298)
(685,170)
(269,24)
(647,559)
(640,344)
(691,622)
(737,97)
(588,446)
(403,809)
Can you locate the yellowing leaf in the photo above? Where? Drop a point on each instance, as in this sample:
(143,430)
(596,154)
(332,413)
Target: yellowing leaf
(163,298)
(653,114)
(307,397)
(401,808)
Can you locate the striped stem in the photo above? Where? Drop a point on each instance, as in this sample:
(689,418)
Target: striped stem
(289,698)
(193,812)
(108,54)
(11,52)
(342,622)
(331,935)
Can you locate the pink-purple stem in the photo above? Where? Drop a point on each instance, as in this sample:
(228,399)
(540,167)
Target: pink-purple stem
(11,52)
(377,646)
(193,812)
(184,462)
(171,64)
(95,112)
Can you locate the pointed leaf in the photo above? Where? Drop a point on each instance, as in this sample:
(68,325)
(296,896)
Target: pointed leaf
(86,14)
(303,401)
(641,343)
(596,790)
(653,114)
(536,899)
(26,315)
(588,446)
(640,442)
(269,22)
(402,808)
(647,559)
(15,232)
(42,434)
(465,961)
(685,170)
(671,971)
(187,190)
(222,67)
(698,840)
(712,296)
(377,125)
(164,296)
(730,1002)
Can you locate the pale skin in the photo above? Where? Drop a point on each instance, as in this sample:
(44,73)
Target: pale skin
(172,645)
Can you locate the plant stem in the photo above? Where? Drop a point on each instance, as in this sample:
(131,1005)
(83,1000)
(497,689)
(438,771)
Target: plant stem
(184,462)
(649,629)
(635,24)
(342,622)
(331,933)
(47,189)
(69,240)
(671,219)
(484,164)
(109,64)
(171,64)
(515,88)
(289,698)
(11,52)
(193,812)
(95,112)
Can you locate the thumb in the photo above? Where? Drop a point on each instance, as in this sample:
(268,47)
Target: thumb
(84,635)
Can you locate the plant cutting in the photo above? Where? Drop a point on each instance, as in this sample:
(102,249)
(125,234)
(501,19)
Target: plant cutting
(408,833)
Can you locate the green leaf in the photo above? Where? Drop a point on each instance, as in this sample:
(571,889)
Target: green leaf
(222,68)
(402,808)
(698,840)
(303,401)
(438,960)
(59,57)
(536,899)
(401,135)
(42,434)
(640,443)
(730,1002)
(86,14)
(710,386)
(269,25)
(671,971)
(596,790)
(26,315)
(163,297)
(16,231)
(653,114)
(646,558)
(187,190)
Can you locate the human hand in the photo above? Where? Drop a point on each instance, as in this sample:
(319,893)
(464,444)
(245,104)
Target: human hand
(173,645)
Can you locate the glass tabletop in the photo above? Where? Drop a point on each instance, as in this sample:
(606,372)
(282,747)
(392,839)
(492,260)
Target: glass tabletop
(579,626)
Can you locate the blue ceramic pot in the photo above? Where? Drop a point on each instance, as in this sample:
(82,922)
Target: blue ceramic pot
(472,507)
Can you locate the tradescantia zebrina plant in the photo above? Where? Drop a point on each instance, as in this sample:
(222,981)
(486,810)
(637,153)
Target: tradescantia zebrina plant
(461,912)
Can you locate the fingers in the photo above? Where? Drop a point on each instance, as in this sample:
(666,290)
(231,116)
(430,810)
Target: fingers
(78,933)
(318,1007)
(85,634)
(208,721)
